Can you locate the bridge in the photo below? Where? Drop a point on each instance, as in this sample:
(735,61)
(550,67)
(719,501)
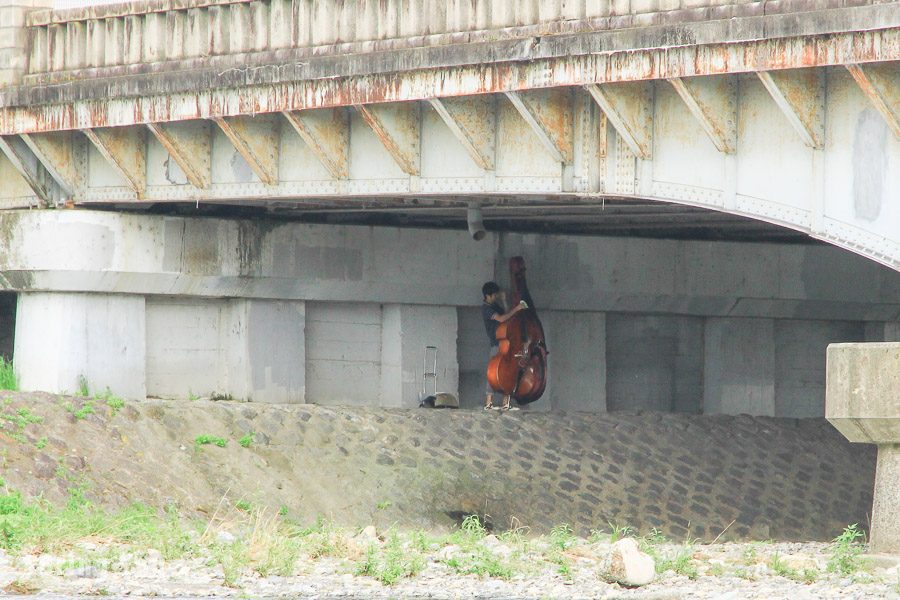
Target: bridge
(707,193)
(790,107)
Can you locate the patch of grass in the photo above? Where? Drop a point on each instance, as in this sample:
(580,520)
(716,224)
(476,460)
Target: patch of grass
(562,537)
(205,440)
(243,505)
(383,505)
(283,511)
(86,408)
(246,440)
(323,538)
(846,550)
(41,443)
(84,390)
(392,562)
(15,423)
(480,561)
(192,396)
(115,403)
(8,378)
(21,587)
(681,562)
(41,527)
(616,533)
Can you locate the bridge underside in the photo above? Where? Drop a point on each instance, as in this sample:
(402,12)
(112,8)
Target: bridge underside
(772,119)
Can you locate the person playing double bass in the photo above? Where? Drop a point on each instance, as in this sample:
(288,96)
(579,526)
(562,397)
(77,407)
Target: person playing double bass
(492,312)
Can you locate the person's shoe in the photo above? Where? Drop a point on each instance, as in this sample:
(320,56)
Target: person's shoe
(507,404)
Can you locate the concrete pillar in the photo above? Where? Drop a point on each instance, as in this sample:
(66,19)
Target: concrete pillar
(62,337)
(271,337)
(861,401)
(14,46)
(739,367)
(245,349)
(576,363)
(405,331)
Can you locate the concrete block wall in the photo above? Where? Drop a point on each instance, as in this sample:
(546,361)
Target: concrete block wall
(800,351)
(284,312)
(63,337)
(654,362)
(739,367)
(343,353)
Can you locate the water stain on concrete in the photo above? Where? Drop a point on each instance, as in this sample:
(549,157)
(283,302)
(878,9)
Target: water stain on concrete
(869,164)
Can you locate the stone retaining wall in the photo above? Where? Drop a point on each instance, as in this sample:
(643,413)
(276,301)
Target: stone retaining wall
(689,476)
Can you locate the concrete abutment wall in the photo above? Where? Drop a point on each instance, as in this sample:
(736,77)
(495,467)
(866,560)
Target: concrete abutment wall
(288,313)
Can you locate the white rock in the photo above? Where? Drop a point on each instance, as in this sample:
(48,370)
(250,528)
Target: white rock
(629,566)
(368,534)
(225,537)
(447,552)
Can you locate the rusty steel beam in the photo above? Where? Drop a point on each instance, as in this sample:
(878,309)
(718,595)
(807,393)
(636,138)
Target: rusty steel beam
(800,94)
(473,121)
(397,126)
(56,151)
(256,140)
(125,149)
(190,146)
(881,85)
(327,133)
(629,108)
(252,97)
(550,115)
(26,164)
(713,102)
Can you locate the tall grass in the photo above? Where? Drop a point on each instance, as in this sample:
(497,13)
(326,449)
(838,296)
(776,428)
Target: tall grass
(8,379)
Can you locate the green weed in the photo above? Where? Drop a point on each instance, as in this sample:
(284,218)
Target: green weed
(246,440)
(680,562)
(84,390)
(383,505)
(87,408)
(8,378)
(115,403)
(562,537)
(243,505)
(204,440)
(15,423)
(617,532)
(41,443)
(846,550)
(392,562)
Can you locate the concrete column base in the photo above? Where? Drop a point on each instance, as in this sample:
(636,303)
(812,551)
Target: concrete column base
(62,338)
(406,330)
(272,343)
(862,388)
(885,534)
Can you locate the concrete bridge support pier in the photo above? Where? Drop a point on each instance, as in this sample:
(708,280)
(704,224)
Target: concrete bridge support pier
(63,337)
(863,403)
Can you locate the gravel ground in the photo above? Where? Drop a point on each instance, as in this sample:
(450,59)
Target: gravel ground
(727,571)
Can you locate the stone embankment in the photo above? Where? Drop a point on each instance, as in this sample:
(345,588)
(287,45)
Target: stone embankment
(687,476)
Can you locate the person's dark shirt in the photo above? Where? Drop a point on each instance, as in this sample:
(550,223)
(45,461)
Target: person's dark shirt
(490,325)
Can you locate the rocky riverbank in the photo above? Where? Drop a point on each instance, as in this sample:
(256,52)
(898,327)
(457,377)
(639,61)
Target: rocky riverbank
(330,563)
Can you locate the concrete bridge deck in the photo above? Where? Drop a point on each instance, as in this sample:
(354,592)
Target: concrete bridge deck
(790,108)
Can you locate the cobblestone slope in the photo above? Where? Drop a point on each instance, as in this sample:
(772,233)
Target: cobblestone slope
(689,476)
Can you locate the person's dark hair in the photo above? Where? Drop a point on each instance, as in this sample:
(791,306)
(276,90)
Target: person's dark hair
(489,288)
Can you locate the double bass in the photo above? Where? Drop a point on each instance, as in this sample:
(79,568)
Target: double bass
(519,369)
